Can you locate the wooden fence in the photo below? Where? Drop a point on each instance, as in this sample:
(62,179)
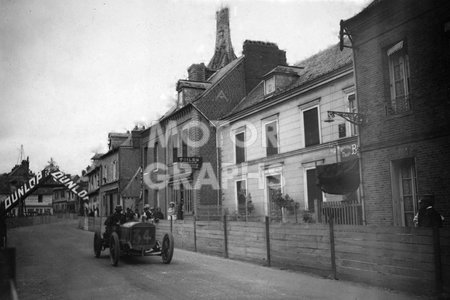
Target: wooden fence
(344,213)
(393,257)
(398,258)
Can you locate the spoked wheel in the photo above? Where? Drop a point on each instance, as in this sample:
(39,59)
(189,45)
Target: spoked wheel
(167,248)
(97,244)
(114,249)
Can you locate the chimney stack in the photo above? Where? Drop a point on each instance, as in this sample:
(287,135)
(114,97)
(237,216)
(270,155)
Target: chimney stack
(259,59)
(197,72)
(224,52)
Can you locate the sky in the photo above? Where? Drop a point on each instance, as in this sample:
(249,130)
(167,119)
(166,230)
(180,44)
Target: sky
(72,71)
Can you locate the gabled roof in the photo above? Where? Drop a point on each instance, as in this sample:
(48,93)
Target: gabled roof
(315,68)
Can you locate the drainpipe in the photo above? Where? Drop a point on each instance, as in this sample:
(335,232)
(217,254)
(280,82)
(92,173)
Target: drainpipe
(361,179)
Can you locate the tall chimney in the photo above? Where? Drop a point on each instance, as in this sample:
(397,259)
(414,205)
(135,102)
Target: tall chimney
(224,52)
(259,59)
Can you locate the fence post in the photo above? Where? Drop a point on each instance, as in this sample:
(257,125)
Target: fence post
(225,235)
(268,241)
(317,211)
(437,258)
(195,233)
(332,248)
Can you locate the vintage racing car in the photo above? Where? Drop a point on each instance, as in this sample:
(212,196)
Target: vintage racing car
(134,238)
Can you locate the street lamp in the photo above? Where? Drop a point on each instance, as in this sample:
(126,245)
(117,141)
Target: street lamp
(354,118)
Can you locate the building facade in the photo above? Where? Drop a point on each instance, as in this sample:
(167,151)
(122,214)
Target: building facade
(117,168)
(183,142)
(275,138)
(402,68)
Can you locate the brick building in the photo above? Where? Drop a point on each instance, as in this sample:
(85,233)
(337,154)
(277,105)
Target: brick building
(117,168)
(189,131)
(402,67)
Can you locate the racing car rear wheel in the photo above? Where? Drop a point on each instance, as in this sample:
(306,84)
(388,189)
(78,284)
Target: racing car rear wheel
(114,249)
(97,244)
(167,248)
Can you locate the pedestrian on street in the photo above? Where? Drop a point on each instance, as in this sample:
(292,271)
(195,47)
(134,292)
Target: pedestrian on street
(171,214)
(427,215)
(147,214)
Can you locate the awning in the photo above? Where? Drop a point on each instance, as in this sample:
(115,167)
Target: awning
(339,178)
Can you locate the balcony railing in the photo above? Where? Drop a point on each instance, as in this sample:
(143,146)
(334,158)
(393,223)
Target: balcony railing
(398,105)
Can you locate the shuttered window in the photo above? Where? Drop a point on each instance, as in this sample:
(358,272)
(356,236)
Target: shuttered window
(311,126)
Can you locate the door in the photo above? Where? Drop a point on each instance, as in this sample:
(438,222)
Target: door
(313,191)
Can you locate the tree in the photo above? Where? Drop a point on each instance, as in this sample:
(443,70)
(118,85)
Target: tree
(52,166)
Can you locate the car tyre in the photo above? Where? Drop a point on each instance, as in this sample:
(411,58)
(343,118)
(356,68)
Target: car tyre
(167,248)
(114,249)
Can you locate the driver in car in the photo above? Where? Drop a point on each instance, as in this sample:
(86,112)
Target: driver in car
(115,219)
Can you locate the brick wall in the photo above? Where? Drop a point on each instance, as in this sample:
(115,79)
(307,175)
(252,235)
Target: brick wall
(421,133)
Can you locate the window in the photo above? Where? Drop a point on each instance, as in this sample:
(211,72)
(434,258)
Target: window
(145,158)
(269,85)
(311,126)
(241,196)
(399,78)
(40,199)
(342,130)
(175,148)
(404,189)
(155,152)
(114,170)
(271,137)
(184,147)
(63,194)
(240,147)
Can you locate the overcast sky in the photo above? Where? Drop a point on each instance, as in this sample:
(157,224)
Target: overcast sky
(71,71)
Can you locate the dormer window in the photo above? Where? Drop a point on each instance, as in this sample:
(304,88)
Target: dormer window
(269,85)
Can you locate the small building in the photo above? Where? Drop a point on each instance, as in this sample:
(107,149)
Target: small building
(117,167)
(402,58)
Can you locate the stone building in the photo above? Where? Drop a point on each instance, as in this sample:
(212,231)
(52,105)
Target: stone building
(402,69)
(276,136)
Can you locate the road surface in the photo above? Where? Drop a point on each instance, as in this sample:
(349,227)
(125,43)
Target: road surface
(56,261)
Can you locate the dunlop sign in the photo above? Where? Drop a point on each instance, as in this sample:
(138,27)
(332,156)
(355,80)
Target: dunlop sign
(34,183)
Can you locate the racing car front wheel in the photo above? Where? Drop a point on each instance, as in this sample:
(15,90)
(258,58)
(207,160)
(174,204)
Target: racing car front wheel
(114,249)
(167,248)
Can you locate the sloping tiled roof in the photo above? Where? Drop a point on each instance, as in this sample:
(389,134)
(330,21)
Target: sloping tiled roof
(221,72)
(315,67)
(203,101)
(227,84)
